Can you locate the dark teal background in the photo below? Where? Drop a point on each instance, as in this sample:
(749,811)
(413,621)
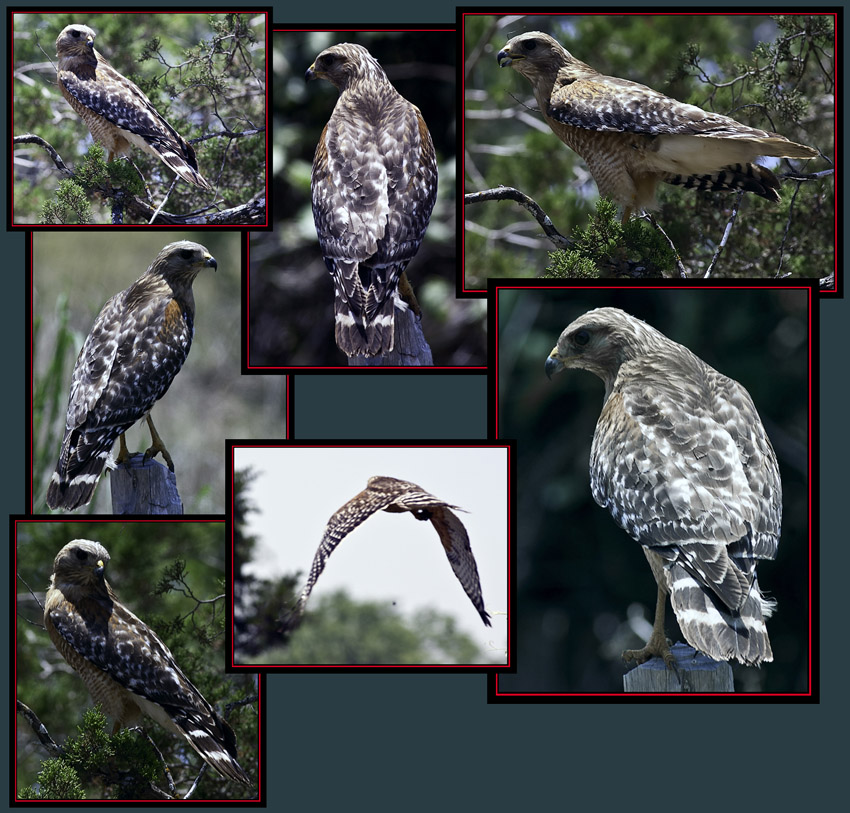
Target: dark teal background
(419,742)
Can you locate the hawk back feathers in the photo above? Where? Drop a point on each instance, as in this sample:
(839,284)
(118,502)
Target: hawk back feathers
(374,185)
(681,460)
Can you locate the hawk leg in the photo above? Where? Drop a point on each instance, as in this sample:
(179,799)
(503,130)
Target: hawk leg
(405,289)
(658,645)
(123,453)
(157,446)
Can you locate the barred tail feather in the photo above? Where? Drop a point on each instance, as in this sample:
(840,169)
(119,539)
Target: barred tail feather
(78,471)
(217,747)
(359,335)
(712,628)
(176,153)
(749,177)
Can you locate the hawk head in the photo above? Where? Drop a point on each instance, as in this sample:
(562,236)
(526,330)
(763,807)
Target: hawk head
(76,40)
(344,64)
(80,563)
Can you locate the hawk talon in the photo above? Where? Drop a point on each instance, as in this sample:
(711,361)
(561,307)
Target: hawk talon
(123,452)
(656,647)
(657,474)
(157,311)
(157,446)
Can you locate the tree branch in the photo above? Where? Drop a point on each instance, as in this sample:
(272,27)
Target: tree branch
(509,193)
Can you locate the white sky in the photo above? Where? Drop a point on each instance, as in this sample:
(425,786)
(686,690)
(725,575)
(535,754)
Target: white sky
(390,557)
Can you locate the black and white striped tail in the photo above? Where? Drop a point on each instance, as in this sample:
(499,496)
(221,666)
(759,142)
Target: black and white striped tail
(749,177)
(78,470)
(712,628)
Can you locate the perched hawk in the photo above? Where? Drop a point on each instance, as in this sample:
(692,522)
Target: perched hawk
(116,112)
(632,137)
(122,661)
(374,186)
(137,345)
(681,460)
(397,496)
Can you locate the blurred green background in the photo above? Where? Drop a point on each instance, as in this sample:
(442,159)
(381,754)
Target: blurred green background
(291,317)
(579,576)
(214,80)
(785,86)
(209,400)
(139,553)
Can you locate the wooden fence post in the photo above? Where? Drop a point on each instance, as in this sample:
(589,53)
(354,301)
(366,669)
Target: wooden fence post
(694,672)
(144,487)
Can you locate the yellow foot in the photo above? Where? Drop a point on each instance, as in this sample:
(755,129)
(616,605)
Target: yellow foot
(157,447)
(123,453)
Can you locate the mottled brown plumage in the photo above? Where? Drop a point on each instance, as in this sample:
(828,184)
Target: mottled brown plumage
(136,346)
(633,137)
(115,110)
(397,496)
(682,461)
(124,664)
(374,185)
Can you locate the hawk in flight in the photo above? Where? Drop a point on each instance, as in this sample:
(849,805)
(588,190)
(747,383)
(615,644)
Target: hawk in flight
(137,345)
(116,112)
(633,137)
(397,496)
(125,666)
(681,460)
(374,186)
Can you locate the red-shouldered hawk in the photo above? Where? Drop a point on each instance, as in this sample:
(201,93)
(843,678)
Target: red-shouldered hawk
(681,460)
(116,112)
(632,137)
(396,496)
(137,345)
(124,664)
(374,186)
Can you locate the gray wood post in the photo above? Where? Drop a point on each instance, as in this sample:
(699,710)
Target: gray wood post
(140,487)
(694,673)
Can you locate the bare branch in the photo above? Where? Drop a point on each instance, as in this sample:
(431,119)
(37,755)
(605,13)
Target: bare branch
(509,193)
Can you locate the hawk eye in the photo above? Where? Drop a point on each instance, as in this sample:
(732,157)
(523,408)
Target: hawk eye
(187,253)
(81,554)
(75,33)
(581,338)
(530,45)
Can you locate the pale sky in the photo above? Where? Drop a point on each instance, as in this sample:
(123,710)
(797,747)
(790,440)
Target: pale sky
(390,557)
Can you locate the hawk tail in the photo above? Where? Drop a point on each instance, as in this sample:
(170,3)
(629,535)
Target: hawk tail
(179,155)
(78,470)
(711,627)
(213,738)
(363,326)
(749,177)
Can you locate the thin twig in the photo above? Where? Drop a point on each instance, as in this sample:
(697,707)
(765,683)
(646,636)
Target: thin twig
(726,232)
(654,223)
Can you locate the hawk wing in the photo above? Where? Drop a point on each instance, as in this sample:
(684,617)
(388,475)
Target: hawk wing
(116,111)
(113,650)
(398,496)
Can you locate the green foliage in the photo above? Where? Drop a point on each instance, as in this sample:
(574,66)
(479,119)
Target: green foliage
(205,74)
(182,601)
(69,206)
(723,67)
(118,767)
(50,393)
(607,247)
(339,629)
(56,780)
